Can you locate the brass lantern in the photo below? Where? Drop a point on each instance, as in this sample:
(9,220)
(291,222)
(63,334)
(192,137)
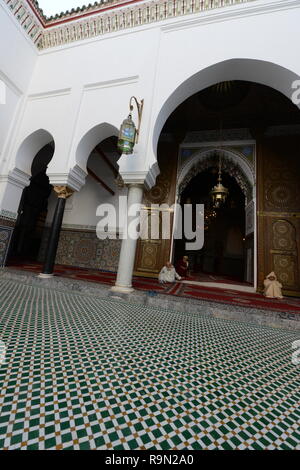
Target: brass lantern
(219,193)
(129,134)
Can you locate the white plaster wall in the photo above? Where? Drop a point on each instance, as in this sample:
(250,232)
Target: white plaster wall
(18,57)
(197,53)
(77,87)
(17,60)
(81,208)
(18,54)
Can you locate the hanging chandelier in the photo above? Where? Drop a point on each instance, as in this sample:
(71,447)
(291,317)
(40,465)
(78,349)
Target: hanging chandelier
(219,193)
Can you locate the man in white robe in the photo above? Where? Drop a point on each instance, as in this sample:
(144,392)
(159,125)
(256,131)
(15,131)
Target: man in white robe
(272,287)
(168,274)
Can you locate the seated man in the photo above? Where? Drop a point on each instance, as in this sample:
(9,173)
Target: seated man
(182,266)
(168,274)
(272,287)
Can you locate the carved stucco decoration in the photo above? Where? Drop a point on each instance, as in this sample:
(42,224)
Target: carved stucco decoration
(228,165)
(149,256)
(250,218)
(284,236)
(281,190)
(160,192)
(102,18)
(63,192)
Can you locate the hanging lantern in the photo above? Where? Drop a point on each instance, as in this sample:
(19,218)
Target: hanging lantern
(219,193)
(129,134)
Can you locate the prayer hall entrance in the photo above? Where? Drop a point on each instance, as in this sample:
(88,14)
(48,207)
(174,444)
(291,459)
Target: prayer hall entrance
(254,131)
(223,258)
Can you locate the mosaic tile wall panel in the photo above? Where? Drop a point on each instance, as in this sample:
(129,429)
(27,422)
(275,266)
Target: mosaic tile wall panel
(82,372)
(6,231)
(85,250)
(5,237)
(7,222)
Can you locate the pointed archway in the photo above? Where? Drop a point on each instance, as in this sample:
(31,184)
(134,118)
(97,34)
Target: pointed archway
(229,250)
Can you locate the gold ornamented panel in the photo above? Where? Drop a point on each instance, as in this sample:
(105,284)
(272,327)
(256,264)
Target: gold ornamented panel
(284,236)
(286,269)
(153,254)
(279,211)
(149,253)
(285,253)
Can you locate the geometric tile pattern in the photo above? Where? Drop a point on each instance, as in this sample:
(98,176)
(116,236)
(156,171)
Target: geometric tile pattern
(5,236)
(84,249)
(83,372)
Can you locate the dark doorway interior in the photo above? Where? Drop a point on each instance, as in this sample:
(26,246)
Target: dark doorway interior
(223,253)
(33,210)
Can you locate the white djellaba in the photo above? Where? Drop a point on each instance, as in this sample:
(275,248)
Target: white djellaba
(272,287)
(168,274)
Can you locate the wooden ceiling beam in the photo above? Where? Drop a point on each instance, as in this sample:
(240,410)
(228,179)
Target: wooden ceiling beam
(107,161)
(100,181)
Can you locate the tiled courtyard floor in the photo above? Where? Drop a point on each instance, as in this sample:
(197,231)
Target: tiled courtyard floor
(83,372)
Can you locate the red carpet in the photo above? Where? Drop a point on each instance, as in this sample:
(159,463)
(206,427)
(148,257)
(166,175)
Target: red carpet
(216,278)
(230,297)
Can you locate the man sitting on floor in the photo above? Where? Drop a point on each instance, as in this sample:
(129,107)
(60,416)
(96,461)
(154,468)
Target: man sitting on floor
(272,287)
(182,266)
(168,274)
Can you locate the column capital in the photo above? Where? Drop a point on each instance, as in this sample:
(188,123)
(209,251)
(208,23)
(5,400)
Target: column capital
(134,185)
(146,177)
(75,178)
(63,192)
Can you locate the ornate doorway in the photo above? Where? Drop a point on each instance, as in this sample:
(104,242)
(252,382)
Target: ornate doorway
(261,133)
(229,241)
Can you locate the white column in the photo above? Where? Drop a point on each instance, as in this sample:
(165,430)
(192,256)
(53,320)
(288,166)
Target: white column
(128,248)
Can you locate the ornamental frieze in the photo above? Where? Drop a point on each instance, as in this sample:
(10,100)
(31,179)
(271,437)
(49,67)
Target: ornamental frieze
(211,160)
(102,18)
(22,12)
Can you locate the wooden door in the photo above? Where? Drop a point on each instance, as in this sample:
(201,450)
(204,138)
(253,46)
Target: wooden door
(279,210)
(153,254)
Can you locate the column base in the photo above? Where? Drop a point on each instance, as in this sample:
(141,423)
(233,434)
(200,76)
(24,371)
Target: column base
(45,276)
(122,290)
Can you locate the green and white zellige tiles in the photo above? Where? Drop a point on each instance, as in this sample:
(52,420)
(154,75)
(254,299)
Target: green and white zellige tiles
(87,373)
